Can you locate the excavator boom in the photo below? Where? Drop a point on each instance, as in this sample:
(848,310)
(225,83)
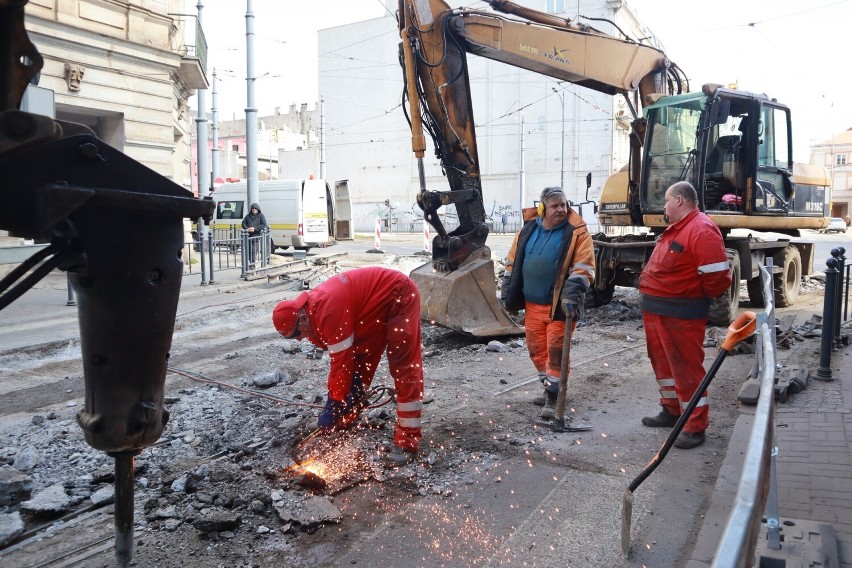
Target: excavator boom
(458,289)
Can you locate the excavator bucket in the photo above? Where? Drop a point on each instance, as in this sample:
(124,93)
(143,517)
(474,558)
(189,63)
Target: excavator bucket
(466,299)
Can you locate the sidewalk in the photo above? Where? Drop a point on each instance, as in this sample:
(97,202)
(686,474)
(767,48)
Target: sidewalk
(814,471)
(43,310)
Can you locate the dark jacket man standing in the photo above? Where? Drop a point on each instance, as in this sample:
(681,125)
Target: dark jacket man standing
(255,224)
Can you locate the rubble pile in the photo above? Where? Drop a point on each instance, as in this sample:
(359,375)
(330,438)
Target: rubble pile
(220,470)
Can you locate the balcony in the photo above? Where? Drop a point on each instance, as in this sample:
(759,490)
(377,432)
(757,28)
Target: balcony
(193,63)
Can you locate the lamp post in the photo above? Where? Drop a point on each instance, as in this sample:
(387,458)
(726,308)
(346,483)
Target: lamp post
(561,96)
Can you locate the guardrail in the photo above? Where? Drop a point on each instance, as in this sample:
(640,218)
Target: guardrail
(227,249)
(756,495)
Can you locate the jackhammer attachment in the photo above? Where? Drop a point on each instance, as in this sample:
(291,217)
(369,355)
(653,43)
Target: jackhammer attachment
(465,299)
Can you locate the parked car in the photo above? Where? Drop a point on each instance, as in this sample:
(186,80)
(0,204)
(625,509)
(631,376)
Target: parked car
(835,225)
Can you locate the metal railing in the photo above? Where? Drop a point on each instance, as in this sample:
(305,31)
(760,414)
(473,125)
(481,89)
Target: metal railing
(228,249)
(756,495)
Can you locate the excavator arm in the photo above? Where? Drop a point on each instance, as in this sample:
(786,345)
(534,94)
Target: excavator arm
(435,42)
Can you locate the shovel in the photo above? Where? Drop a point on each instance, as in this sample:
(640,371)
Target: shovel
(739,330)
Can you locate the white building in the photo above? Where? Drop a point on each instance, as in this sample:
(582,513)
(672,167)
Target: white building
(368,140)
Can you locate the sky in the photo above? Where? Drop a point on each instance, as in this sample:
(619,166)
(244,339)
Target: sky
(793,51)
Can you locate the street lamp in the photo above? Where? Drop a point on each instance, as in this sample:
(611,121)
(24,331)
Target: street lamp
(561,96)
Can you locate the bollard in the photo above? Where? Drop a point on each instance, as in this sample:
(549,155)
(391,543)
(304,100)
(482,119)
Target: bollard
(378,239)
(201,254)
(827,343)
(210,252)
(838,253)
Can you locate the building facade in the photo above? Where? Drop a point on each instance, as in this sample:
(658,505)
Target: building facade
(126,70)
(835,154)
(566,131)
(294,131)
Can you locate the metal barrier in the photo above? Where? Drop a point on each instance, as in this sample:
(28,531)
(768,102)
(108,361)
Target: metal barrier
(228,249)
(756,494)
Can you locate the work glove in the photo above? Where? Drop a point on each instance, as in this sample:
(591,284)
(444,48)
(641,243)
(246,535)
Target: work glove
(572,309)
(331,414)
(504,287)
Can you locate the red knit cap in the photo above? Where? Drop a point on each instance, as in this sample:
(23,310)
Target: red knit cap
(286,312)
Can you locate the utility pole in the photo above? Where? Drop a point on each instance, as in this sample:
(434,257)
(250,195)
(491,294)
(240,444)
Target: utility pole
(201,139)
(214,153)
(521,175)
(251,111)
(322,138)
(202,230)
(562,146)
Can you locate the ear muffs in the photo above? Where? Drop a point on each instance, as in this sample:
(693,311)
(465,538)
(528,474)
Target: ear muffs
(539,209)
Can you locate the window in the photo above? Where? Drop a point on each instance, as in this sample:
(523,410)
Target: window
(840,160)
(555,6)
(773,144)
(229,210)
(235,147)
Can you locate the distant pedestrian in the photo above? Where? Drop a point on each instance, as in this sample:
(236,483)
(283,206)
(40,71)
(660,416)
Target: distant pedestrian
(687,270)
(255,224)
(505,220)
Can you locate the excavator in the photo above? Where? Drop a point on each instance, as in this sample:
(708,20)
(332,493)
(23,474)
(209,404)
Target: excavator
(735,147)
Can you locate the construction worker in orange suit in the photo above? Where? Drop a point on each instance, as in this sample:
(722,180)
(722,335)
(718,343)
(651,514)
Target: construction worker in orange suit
(687,270)
(550,266)
(355,316)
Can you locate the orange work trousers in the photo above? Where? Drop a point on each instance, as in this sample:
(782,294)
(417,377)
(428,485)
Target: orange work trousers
(545,337)
(676,349)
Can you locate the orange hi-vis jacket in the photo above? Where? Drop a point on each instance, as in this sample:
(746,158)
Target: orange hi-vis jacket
(574,277)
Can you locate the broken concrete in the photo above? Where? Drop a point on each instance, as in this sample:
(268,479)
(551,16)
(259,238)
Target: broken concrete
(14,485)
(51,501)
(314,510)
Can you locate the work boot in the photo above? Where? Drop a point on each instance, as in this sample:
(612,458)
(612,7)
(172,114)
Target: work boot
(689,440)
(542,400)
(398,457)
(664,419)
(549,410)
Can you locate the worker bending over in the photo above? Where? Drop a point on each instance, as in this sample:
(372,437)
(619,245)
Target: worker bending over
(356,316)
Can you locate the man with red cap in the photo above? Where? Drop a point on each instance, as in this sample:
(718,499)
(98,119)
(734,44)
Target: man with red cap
(356,316)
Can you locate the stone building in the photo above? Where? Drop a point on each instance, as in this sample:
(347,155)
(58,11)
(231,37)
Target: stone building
(126,70)
(293,131)
(835,154)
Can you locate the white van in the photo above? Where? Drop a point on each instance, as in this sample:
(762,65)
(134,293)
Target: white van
(302,213)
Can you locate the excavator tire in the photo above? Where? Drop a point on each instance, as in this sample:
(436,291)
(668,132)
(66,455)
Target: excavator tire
(789,281)
(724,308)
(596,298)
